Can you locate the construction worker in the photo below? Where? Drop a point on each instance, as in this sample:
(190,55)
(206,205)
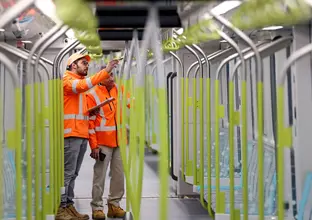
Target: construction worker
(103,140)
(76,126)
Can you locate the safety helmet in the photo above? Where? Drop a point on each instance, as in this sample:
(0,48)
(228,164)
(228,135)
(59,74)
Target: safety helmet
(77,56)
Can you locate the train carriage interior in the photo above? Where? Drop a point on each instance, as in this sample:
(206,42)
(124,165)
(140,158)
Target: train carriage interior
(214,128)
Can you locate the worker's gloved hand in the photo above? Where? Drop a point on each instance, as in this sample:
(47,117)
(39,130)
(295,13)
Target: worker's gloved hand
(94,112)
(111,65)
(95,154)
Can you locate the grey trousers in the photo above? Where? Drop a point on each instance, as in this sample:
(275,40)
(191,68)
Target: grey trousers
(74,151)
(117,187)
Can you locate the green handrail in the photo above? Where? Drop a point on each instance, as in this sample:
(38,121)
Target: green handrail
(29,159)
(183,155)
(52,197)
(260,115)
(123,143)
(51,200)
(36,149)
(195,101)
(219,114)
(76,15)
(189,163)
(284,133)
(243,120)
(18,152)
(209,145)
(43,150)
(1,158)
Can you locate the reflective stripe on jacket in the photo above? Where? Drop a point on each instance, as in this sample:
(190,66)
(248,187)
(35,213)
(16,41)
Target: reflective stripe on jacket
(76,116)
(103,126)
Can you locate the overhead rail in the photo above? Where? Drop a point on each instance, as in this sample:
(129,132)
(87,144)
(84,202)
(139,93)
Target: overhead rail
(24,55)
(41,58)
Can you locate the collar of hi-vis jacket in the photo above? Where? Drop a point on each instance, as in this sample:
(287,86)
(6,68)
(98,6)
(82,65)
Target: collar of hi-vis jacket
(102,87)
(74,75)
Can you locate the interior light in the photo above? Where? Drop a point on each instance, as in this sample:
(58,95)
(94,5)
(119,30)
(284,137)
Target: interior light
(223,41)
(70,34)
(272,28)
(2,30)
(27,41)
(222,8)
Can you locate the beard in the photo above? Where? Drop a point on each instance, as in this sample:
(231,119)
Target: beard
(82,72)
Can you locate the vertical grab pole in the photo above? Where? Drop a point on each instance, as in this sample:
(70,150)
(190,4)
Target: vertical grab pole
(39,122)
(29,120)
(181,108)
(189,165)
(24,55)
(219,114)
(60,115)
(234,121)
(122,80)
(18,133)
(126,163)
(162,113)
(195,178)
(284,134)
(52,121)
(208,93)
(188,171)
(260,120)
(151,26)
(140,81)
(234,213)
(1,156)
(281,42)
(170,164)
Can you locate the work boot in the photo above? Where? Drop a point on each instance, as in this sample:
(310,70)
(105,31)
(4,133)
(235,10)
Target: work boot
(98,215)
(72,210)
(115,212)
(62,214)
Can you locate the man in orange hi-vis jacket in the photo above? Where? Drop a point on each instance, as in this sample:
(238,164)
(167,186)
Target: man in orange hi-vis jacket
(105,149)
(76,125)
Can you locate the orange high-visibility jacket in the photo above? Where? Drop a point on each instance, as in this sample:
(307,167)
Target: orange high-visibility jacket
(76,116)
(103,127)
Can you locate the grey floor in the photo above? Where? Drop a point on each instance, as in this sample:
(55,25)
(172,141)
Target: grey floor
(182,209)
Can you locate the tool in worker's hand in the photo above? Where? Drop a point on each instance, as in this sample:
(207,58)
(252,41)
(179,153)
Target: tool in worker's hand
(102,156)
(107,101)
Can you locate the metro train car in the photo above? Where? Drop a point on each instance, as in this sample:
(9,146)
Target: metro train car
(215,124)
